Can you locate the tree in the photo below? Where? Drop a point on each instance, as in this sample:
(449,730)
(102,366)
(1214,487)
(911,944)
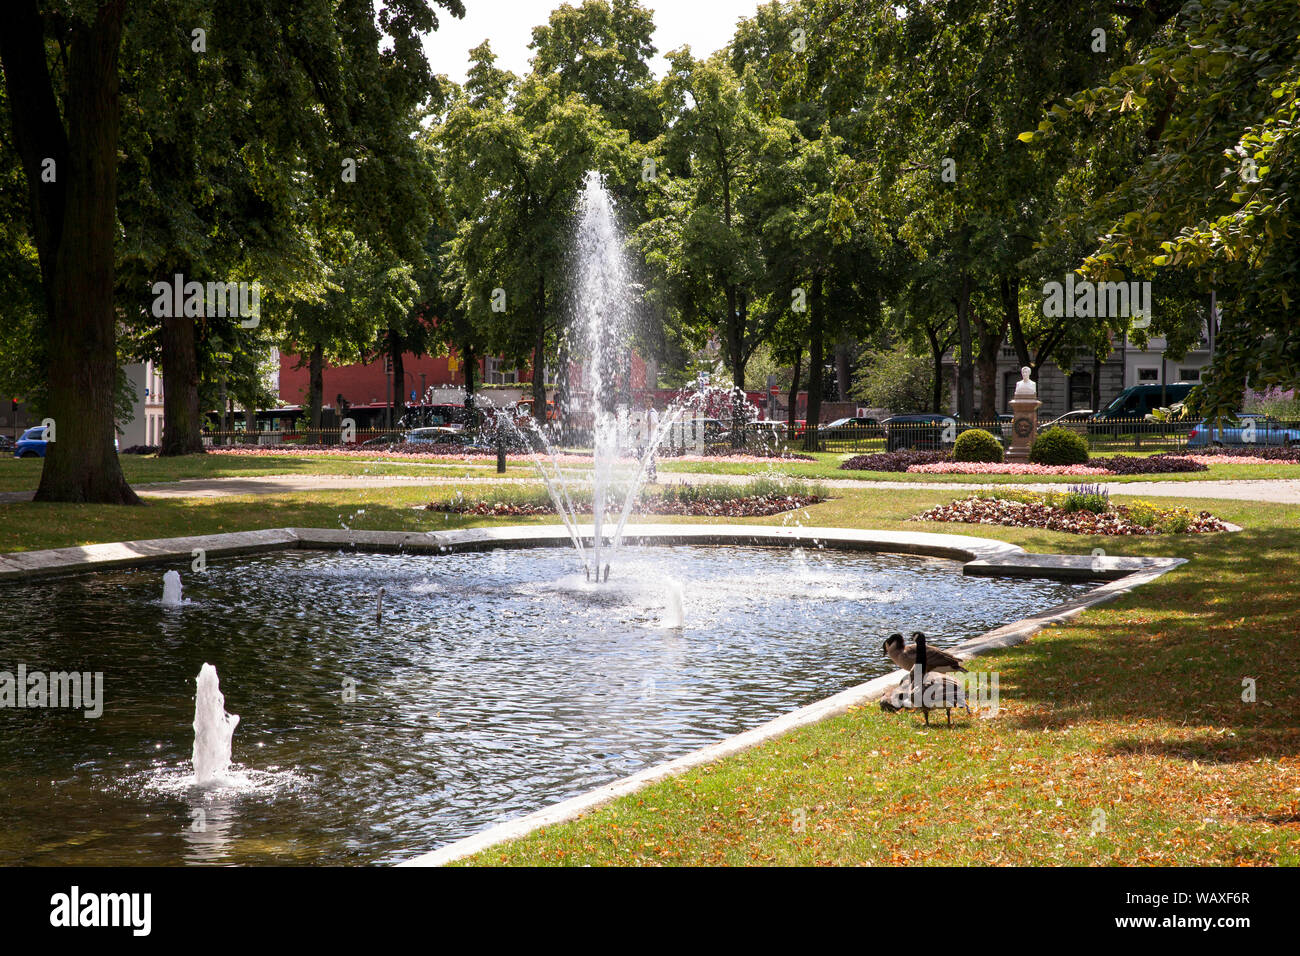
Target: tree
(702,239)
(894,378)
(1210,204)
(516,154)
(66,132)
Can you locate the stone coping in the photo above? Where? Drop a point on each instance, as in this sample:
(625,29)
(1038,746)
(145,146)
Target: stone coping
(982,556)
(120,554)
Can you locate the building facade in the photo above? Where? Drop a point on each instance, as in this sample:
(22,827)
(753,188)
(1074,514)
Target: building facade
(145,426)
(1064,390)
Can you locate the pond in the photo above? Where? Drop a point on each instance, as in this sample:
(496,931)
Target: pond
(497,682)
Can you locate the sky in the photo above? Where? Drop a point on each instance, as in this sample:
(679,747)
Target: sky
(706,25)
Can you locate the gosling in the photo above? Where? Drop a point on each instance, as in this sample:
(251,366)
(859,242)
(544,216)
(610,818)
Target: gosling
(904,656)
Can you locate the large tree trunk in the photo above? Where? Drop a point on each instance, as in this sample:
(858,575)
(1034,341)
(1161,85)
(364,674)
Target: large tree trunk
(1009,288)
(182,425)
(73,227)
(395,350)
(792,407)
(937,350)
(966,361)
(990,334)
(737,359)
(843,373)
(816,364)
(315,389)
(539,360)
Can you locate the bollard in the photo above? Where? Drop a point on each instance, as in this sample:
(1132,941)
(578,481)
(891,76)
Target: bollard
(501,453)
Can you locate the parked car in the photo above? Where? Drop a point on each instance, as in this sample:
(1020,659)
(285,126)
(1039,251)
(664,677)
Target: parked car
(440,435)
(850,428)
(1248,429)
(1075,421)
(1138,401)
(923,431)
(6,443)
(391,438)
(31,444)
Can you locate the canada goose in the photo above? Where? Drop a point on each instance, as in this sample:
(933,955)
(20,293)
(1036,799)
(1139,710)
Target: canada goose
(936,661)
(937,691)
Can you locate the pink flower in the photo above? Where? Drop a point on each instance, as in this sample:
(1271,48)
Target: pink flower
(1002,468)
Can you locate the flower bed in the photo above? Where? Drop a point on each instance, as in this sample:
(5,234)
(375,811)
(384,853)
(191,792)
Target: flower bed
(1253,454)
(1002,468)
(1039,511)
(753,506)
(893,460)
(1162,464)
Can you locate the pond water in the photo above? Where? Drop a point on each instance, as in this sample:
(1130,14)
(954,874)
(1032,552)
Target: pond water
(497,683)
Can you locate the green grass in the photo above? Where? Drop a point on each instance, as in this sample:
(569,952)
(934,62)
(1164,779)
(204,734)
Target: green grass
(24,474)
(827,467)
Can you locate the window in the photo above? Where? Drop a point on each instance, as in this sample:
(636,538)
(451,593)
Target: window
(1080,390)
(1189,375)
(1148,375)
(493,375)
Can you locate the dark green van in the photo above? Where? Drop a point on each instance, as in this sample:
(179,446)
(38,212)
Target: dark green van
(1137,401)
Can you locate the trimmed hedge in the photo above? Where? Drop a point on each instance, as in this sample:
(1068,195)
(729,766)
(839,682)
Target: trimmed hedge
(977,445)
(1059,446)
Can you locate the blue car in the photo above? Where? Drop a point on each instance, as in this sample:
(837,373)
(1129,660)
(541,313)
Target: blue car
(31,444)
(1267,431)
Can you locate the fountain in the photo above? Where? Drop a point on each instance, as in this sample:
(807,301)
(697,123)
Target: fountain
(603,302)
(213,729)
(673,616)
(171,596)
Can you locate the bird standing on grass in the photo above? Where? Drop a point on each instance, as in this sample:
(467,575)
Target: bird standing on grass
(904,655)
(938,692)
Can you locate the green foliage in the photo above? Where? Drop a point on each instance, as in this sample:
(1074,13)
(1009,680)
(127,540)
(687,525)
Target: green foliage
(976,444)
(1059,446)
(1213,101)
(894,379)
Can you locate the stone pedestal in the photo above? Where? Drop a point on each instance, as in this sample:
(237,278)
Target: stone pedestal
(1024,427)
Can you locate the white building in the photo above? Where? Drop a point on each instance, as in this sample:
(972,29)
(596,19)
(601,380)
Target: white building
(145,426)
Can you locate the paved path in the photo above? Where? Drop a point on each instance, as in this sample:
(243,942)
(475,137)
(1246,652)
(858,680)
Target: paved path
(1285,491)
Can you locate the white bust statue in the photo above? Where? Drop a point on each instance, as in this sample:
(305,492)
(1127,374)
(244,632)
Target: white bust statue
(1026,388)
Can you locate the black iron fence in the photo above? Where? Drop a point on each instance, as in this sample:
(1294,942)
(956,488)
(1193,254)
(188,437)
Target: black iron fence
(937,434)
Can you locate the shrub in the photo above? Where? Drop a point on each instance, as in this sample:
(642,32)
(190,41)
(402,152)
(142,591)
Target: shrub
(977,445)
(1059,446)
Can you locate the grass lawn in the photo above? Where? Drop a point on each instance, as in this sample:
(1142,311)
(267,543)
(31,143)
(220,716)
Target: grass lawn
(827,466)
(1122,737)
(24,474)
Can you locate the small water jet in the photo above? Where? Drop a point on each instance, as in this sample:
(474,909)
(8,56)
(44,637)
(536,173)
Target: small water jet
(674,615)
(171,596)
(214,729)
